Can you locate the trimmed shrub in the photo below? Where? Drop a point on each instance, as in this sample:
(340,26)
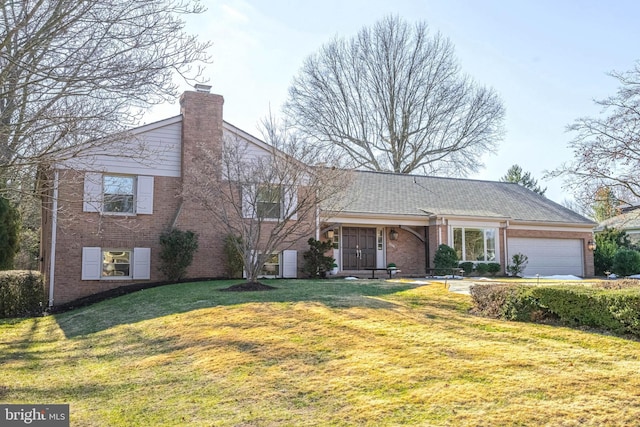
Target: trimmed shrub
(316,263)
(626,262)
(467,266)
(233,257)
(445,259)
(482,268)
(522,304)
(493,268)
(21,293)
(488,300)
(177,252)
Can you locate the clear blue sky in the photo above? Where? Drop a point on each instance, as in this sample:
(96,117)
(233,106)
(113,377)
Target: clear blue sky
(548,60)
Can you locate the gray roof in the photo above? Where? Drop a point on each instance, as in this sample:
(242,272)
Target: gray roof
(401,194)
(625,221)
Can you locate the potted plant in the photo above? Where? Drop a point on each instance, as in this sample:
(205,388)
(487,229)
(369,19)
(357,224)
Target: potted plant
(334,269)
(392,268)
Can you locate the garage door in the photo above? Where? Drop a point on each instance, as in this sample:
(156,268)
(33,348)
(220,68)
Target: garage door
(549,256)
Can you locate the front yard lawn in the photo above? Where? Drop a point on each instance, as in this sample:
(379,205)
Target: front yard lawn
(311,353)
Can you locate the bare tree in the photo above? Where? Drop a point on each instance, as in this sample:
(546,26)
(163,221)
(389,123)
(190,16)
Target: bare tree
(266,195)
(393,99)
(75,74)
(607,148)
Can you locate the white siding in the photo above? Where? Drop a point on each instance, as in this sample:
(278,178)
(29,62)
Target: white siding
(153,150)
(91,263)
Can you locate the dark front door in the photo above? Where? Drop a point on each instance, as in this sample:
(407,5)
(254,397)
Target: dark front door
(358,248)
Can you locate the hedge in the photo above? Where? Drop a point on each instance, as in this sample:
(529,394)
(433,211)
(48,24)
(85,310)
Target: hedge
(616,310)
(21,293)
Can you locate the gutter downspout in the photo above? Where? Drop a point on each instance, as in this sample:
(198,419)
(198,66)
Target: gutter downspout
(506,246)
(54,230)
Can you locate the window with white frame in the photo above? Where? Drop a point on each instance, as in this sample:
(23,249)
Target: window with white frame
(109,263)
(271,267)
(269,201)
(475,244)
(116,263)
(117,194)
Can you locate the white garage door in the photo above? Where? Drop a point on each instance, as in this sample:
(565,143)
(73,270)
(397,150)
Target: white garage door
(549,256)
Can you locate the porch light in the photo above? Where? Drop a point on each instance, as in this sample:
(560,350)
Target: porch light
(591,245)
(393,234)
(330,234)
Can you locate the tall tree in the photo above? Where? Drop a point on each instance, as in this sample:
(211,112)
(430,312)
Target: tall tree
(393,98)
(605,205)
(77,71)
(607,147)
(9,232)
(516,175)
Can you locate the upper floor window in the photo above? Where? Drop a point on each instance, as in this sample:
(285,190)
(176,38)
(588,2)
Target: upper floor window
(118,194)
(475,244)
(269,201)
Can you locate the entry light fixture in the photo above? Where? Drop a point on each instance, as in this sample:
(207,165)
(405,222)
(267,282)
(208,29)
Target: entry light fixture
(591,245)
(393,234)
(330,234)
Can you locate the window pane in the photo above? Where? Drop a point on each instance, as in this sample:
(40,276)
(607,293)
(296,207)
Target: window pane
(271,266)
(269,201)
(491,244)
(457,242)
(116,263)
(474,244)
(118,193)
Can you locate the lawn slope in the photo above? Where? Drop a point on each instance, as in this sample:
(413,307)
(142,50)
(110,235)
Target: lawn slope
(314,353)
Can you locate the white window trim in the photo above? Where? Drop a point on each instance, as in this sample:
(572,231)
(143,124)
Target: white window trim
(484,232)
(93,200)
(139,264)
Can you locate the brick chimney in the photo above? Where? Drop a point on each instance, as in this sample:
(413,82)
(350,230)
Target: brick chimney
(201,130)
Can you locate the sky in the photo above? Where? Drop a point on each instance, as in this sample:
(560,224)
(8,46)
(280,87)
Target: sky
(547,60)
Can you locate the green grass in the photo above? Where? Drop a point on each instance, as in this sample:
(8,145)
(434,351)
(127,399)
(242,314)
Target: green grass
(314,353)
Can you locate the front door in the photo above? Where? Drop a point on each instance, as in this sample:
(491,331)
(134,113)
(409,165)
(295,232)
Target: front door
(358,248)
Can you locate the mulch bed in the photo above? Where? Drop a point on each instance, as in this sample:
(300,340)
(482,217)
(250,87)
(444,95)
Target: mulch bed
(248,287)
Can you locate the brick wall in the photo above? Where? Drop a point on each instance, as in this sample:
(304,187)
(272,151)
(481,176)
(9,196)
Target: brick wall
(407,252)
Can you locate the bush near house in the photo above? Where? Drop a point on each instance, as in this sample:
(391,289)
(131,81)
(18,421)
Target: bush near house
(316,263)
(177,252)
(615,310)
(493,268)
(467,266)
(626,262)
(482,268)
(445,259)
(21,293)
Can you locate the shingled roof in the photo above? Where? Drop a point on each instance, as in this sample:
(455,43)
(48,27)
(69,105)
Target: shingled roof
(401,194)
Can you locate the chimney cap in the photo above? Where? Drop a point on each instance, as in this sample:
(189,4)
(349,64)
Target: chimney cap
(203,88)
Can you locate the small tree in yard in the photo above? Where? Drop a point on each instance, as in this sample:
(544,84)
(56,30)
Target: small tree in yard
(445,259)
(233,257)
(267,196)
(518,264)
(316,263)
(9,230)
(177,252)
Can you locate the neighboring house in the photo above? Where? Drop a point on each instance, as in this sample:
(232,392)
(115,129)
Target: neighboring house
(404,218)
(628,221)
(102,216)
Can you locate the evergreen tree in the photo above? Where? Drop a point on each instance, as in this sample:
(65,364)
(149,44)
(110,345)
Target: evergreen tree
(516,175)
(605,205)
(9,231)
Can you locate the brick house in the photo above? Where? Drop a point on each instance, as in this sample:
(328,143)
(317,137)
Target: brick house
(102,215)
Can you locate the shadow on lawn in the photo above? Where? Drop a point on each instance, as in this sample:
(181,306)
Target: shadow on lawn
(184,297)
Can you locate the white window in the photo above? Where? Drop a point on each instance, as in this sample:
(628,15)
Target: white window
(271,267)
(118,194)
(108,263)
(475,244)
(270,201)
(116,263)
